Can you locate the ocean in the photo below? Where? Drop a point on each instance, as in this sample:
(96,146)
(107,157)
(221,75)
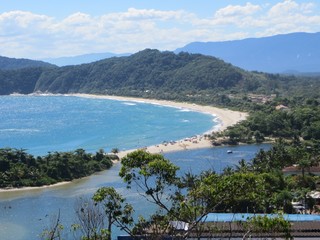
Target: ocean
(42,124)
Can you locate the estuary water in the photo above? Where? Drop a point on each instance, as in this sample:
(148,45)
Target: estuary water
(59,123)
(24,215)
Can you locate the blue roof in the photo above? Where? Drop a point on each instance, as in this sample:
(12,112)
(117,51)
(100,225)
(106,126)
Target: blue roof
(231,217)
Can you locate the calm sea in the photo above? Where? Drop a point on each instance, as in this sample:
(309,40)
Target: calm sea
(41,124)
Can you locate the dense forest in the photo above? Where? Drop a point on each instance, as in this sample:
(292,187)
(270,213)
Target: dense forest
(18,168)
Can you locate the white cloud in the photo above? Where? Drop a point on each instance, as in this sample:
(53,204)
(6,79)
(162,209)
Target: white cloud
(140,14)
(16,22)
(25,34)
(289,16)
(285,7)
(237,10)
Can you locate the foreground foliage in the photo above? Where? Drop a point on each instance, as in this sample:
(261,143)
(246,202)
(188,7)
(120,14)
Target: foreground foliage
(189,198)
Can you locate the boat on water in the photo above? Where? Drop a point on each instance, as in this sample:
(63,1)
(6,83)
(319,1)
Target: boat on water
(229,151)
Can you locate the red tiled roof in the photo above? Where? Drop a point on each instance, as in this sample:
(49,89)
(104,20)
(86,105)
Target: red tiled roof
(313,169)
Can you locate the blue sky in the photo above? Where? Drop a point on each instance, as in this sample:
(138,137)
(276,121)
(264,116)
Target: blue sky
(53,28)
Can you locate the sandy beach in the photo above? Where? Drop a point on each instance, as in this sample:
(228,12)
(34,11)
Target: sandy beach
(225,117)
(32,188)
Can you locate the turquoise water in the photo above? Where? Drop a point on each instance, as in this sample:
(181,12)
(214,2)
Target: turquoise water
(63,123)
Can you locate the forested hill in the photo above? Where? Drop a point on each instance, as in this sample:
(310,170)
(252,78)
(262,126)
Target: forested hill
(154,74)
(18,63)
(146,71)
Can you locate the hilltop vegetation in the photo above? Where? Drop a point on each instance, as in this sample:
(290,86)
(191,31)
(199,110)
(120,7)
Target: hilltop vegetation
(161,75)
(19,63)
(149,71)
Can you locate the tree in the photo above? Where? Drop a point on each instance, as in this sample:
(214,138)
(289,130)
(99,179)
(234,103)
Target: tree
(115,150)
(178,199)
(54,230)
(283,200)
(116,210)
(258,136)
(91,219)
(190,198)
(152,173)
(267,227)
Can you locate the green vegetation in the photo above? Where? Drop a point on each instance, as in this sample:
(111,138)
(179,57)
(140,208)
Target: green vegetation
(19,81)
(19,169)
(297,120)
(162,75)
(19,63)
(257,186)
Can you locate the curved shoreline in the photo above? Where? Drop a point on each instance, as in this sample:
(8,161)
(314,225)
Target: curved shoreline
(225,116)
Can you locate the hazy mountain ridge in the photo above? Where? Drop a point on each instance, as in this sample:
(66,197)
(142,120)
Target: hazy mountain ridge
(82,59)
(295,52)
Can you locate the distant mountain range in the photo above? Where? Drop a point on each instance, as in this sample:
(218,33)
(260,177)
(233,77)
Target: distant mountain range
(81,59)
(288,53)
(294,53)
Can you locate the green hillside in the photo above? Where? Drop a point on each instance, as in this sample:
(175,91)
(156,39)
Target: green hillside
(19,81)
(155,74)
(148,70)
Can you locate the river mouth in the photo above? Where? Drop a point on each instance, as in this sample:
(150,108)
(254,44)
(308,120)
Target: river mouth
(24,215)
